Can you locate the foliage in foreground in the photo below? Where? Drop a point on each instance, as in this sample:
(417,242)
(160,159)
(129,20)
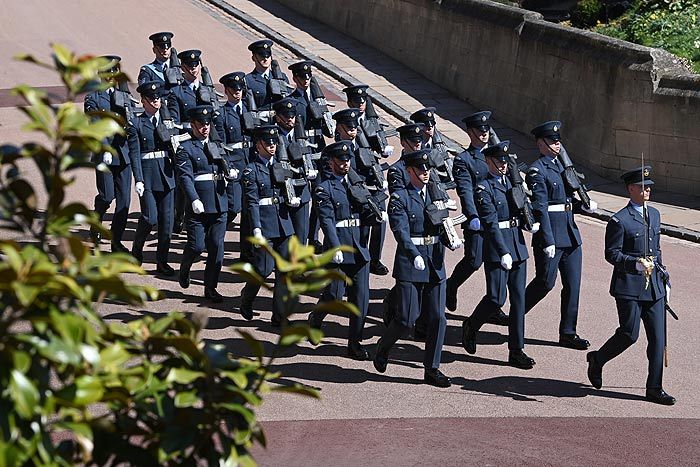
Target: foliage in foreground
(77,389)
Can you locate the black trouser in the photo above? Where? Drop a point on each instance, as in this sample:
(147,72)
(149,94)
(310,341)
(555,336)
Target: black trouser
(264,264)
(205,231)
(114,185)
(156,211)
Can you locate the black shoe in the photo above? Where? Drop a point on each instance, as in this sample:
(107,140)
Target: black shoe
(380,360)
(210,293)
(451,299)
(165,269)
(177,226)
(95,235)
(184,278)
(498,318)
(595,371)
(378,269)
(138,255)
(659,396)
(436,378)
(573,341)
(246,311)
(315,320)
(118,247)
(357,352)
(519,359)
(468,337)
(276,321)
(318,247)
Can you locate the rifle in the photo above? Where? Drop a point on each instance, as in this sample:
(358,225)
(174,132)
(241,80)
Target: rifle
(319,108)
(372,213)
(439,214)
(213,151)
(442,162)
(207,92)
(254,117)
(166,127)
(173,75)
(368,159)
(573,178)
(126,102)
(300,153)
(277,85)
(520,194)
(374,130)
(283,177)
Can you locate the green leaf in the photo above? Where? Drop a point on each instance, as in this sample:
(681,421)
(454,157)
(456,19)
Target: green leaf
(293,334)
(300,389)
(337,307)
(248,273)
(22,361)
(23,393)
(255,345)
(186,399)
(183,375)
(89,389)
(239,378)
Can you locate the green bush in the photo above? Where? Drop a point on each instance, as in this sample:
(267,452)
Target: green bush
(76,389)
(672,25)
(587,13)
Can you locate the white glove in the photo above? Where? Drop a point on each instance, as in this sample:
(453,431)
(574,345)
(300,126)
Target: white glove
(644,264)
(107,158)
(233,173)
(140,188)
(385,216)
(388,151)
(451,204)
(257,233)
(535,227)
(197,206)
(418,263)
(313,173)
(475,224)
(592,209)
(550,251)
(295,202)
(668,294)
(338,257)
(507,261)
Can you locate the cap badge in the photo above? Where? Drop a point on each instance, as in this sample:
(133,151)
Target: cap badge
(345,147)
(352,114)
(359,91)
(264,46)
(505,148)
(236,78)
(646,172)
(289,105)
(193,56)
(306,67)
(272,131)
(417,130)
(205,111)
(430,114)
(555,128)
(153,86)
(425,157)
(165,38)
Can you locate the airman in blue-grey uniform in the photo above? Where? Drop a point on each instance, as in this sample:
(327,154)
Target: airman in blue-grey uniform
(231,132)
(505,255)
(154,174)
(114,184)
(419,269)
(157,69)
(258,80)
(302,75)
(203,181)
(557,245)
(269,218)
(469,170)
(639,284)
(411,138)
(341,220)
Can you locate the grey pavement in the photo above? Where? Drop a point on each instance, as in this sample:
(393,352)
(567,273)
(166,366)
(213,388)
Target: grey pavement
(485,388)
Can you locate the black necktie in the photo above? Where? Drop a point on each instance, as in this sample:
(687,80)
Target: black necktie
(306,97)
(238,110)
(154,120)
(163,67)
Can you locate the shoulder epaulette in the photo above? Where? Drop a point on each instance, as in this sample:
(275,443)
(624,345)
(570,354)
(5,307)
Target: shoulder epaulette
(532,170)
(613,218)
(480,187)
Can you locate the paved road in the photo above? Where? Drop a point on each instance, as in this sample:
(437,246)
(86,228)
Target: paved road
(493,413)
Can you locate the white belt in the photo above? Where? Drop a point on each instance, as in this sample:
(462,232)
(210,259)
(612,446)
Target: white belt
(154,155)
(425,240)
(348,223)
(314,132)
(508,224)
(268,201)
(559,207)
(208,177)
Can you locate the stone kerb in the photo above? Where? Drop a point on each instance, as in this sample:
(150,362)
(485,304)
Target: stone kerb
(616,99)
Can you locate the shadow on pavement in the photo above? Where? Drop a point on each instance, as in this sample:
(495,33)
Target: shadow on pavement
(522,388)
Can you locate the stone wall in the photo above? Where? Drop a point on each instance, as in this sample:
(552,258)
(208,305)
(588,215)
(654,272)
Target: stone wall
(615,99)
